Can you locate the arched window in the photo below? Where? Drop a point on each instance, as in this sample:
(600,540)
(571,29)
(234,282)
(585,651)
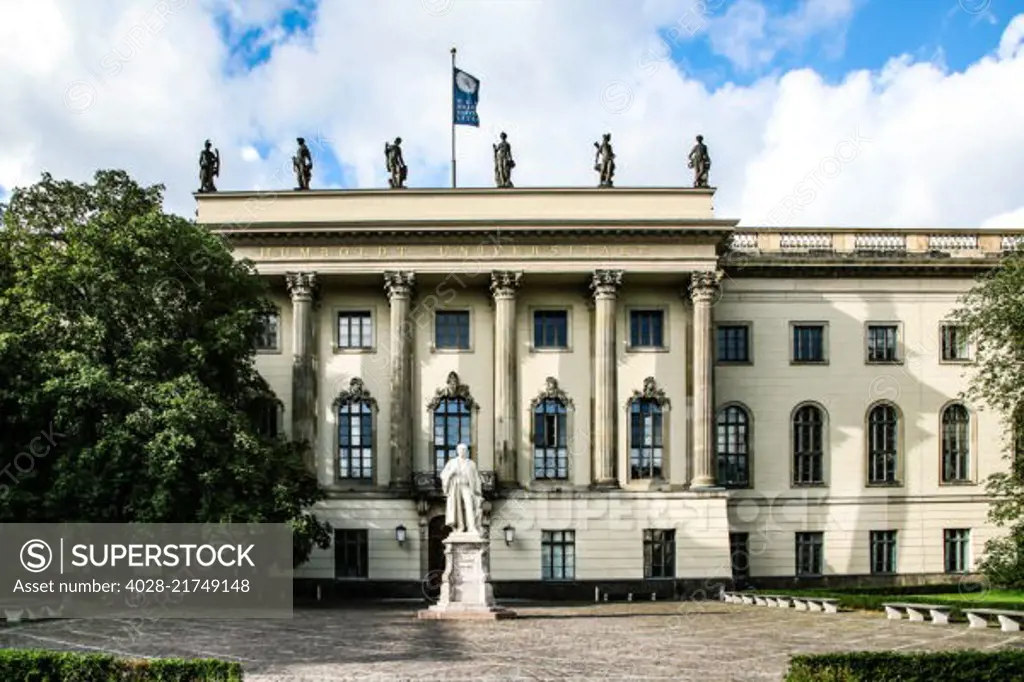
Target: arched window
(956,444)
(550,432)
(883,433)
(646,431)
(550,455)
(355,409)
(732,446)
(808,445)
(452,408)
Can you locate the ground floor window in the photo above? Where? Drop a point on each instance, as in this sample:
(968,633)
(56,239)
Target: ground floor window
(659,553)
(809,553)
(883,551)
(351,555)
(558,555)
(739,551)
(957,544)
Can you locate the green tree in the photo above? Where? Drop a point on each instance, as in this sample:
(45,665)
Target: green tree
(993,315)
(128,391)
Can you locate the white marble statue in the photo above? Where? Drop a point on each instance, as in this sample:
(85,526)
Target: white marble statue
(462,488)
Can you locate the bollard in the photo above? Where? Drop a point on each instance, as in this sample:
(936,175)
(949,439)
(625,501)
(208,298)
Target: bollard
(606,596)
(597,594)
(654,596)
(318,593)
(629,597)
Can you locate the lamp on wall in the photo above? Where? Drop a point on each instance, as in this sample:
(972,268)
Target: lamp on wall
(400,534)
(510,534)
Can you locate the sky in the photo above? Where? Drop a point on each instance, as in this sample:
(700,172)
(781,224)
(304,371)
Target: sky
(902,113)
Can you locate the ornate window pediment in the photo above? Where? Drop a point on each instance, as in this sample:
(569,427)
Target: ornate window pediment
(453,388)
(552,391)
(651,392)
(356,393)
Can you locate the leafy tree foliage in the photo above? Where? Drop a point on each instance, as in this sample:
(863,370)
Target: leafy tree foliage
(128,391)
(993,314)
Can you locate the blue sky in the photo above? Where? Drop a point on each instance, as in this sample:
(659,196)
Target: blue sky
(950,33)
(775,86)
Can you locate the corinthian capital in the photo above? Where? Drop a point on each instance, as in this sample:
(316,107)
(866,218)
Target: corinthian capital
(504,283)
(606,283)
(398,283)
(704,286)
(301,285)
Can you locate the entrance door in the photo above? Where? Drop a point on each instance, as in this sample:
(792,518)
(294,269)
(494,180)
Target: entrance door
(436,533)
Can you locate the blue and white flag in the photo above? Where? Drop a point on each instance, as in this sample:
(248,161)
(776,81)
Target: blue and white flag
(466,93)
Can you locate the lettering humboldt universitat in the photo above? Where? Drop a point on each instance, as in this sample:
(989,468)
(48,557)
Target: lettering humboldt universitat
(447,251)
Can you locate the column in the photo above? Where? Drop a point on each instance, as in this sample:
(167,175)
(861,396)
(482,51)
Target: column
(302,288)
(398,286)
(704,289)
(605,285)
(506,436)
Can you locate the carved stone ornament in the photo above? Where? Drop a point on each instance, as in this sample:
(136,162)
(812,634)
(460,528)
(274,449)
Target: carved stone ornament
(453,389)
(606,282)
(552,391)
(301,284)
(397,283)
(650,391)
(504,283)
(356,393)
(705,286)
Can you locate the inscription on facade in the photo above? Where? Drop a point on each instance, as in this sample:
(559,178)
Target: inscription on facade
(445,251)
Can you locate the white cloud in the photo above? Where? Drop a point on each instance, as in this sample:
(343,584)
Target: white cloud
(1003,221)
(945,149)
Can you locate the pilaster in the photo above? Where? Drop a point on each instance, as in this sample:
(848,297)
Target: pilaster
(704,290)
(398,286)
(504,285)
(302,287)
(605,285)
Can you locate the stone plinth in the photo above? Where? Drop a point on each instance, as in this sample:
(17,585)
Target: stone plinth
(466,592)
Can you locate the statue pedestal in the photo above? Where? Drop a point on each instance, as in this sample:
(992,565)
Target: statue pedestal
(466,592)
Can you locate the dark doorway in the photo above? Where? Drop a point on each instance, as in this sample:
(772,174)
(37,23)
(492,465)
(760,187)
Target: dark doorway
(436,533)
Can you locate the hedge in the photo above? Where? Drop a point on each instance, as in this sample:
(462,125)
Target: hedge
(25,665)
(948,666)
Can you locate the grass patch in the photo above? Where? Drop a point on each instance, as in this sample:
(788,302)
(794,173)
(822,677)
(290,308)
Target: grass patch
(871,600)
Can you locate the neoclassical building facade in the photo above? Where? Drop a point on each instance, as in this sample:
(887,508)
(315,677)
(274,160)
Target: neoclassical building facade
(659,401)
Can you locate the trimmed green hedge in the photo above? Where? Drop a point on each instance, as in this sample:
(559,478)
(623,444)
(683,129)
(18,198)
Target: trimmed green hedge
(949,666)
(25,665)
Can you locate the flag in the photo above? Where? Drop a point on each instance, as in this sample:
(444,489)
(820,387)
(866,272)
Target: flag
(466,93)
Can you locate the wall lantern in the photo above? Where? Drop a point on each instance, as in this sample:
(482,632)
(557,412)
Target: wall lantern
(510,535)
(400,534)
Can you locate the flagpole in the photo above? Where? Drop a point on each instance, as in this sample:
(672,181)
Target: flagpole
(453,117)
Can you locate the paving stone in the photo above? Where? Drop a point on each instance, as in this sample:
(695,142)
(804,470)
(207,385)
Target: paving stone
(705,641)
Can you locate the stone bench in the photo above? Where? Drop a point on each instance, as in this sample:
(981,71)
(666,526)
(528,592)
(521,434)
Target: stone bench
(816,604)
(915,612)
(1009,621)
(778,600)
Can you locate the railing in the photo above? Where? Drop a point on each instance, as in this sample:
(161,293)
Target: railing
(427,484)
(810,241)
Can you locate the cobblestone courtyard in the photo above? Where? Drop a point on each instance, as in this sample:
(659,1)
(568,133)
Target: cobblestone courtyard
(641,641)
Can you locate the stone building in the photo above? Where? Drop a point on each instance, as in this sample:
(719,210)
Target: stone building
(657,398)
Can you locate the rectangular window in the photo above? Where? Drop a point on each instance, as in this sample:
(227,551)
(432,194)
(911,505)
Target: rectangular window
(883,551)
(351,556)
(355,329)
(809,553)
(266,418)
(269,336)
(558,555)
(954,344)
(739,551)
(647,328)
(956,549)
(451,329)
(732,342)
(659,554)
(808,343)
(551,329)
(882,343)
